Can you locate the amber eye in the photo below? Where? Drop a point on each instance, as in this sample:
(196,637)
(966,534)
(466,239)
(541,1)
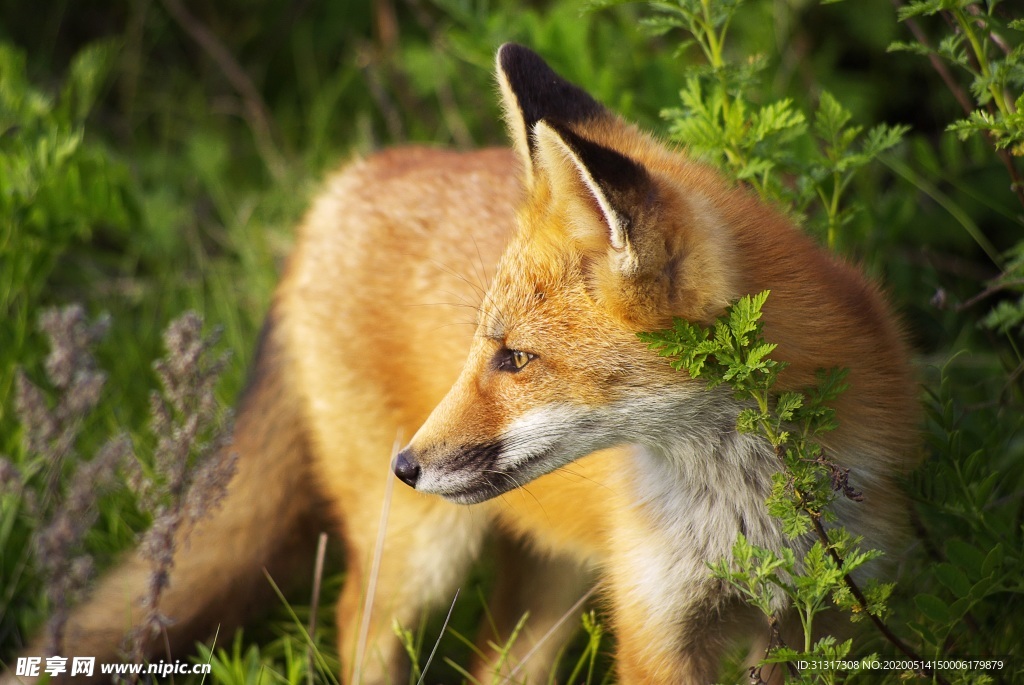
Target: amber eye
(513,360)
(520,358)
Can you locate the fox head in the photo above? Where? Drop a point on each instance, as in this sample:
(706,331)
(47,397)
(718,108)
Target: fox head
(617,234)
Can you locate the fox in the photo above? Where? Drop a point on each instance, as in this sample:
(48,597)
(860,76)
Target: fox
(485,305)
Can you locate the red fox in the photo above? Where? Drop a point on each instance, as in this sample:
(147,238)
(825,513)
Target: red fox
(545,420)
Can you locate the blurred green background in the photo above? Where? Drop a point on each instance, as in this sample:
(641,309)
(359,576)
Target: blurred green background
(154,155)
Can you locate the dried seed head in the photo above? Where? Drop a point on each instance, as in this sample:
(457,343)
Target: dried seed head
(71,340)
(210,484)
(40,425)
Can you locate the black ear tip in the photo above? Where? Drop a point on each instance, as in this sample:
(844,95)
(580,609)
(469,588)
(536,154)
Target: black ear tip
(509,50)
(513,57)
(539,92)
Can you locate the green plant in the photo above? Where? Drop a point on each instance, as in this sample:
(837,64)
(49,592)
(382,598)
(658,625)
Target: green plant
(733,352)
(771,147)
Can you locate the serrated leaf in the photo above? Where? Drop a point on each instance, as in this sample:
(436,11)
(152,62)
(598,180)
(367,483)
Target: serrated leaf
(747,421)
(787,404)
(757,354)
(915,48)
(883,137)
(920,7)
(1005,316)
(831,117)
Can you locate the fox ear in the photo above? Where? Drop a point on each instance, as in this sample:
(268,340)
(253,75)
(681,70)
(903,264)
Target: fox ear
(621,188)
(531,92)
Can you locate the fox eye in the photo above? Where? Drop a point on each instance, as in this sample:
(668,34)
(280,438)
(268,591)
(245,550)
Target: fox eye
(514,360)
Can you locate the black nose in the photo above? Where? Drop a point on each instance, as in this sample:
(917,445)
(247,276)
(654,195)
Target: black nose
(406,468)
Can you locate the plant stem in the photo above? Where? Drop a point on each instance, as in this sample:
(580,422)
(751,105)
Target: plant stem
(833,210)
(937,64)
(714,41)
(980,56)
(257,113)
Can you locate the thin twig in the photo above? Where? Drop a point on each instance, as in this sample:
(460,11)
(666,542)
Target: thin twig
(444,627)
(371,63)
(940,67)
(774,640)
(551,631)
(855,590)
(257,113)
(1004,155)
(378,553)
(989,291)
(998,40)
(1016,184)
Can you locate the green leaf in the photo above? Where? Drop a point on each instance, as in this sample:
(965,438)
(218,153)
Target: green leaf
(953,578)
(88,73)
(966,556)
(919,7)
(993,560)
(933,608)
(831,117)
(748,421)
(787,405)
(915,48)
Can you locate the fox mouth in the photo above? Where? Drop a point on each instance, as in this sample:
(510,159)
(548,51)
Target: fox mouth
(474,495)
(484,472)
(487,485)
(536,443)
(490,483)
(475,475)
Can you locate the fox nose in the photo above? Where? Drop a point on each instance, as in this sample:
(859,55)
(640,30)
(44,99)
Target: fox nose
(406,468)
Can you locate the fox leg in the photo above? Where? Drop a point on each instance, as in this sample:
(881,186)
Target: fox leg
(537,583)
(679,639)
(672,618)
